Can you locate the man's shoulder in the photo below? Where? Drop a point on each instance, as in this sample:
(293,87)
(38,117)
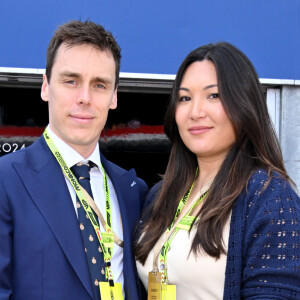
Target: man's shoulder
(17,156)
(20,156)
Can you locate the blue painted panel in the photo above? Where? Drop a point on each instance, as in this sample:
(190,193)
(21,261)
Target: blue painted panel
(156,35)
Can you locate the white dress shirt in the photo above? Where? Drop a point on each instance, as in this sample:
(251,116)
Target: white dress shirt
(71,157)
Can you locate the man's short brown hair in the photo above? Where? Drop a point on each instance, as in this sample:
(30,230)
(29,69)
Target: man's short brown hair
(78,33)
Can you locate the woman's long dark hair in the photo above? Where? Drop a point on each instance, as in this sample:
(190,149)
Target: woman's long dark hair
(256,147)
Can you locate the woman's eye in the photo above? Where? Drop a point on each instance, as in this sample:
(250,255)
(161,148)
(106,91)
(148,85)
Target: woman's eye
(184,99)
(213,96)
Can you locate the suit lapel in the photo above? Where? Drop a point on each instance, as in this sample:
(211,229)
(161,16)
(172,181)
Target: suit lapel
(46,185)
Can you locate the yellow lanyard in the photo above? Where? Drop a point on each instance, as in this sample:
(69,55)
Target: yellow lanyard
(158,288)
(106,239)
(186,223)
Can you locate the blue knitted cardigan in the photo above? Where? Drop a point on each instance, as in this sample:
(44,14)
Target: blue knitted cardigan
(263,258)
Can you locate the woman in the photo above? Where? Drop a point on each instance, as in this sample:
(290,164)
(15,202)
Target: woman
(225,190)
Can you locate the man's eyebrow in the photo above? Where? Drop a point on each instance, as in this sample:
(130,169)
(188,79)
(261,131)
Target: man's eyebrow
(104,79)
(69,74)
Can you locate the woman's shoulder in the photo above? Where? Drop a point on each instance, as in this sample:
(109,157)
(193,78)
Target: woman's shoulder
(268,195)
(264,229)
(152,194)
(262,183)
(155,189)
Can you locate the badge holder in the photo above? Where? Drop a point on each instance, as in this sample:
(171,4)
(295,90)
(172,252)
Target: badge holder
(154,285)
(158,291)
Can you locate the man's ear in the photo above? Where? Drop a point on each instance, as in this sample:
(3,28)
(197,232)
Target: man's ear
(114,101)
(45,89)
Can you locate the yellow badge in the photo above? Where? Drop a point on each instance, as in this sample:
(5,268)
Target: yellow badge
(111,292)
(154,286)
(168,292)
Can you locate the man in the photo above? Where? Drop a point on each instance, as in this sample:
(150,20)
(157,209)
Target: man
(44,249)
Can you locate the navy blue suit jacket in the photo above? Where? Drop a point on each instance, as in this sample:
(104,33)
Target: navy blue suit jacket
(41,249)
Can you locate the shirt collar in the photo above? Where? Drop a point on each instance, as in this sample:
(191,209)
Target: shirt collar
(70,156)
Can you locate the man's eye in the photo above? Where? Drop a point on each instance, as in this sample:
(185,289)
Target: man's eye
(100,86)
(72,82)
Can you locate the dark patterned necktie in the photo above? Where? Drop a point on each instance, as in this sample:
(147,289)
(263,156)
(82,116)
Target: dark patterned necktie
(92,248)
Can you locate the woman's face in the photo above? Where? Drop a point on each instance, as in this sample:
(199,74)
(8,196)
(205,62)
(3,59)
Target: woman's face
(203,124)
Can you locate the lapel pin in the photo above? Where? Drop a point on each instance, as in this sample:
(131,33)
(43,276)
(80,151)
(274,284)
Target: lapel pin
(133,183)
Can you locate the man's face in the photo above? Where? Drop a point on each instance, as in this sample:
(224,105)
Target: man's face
(80,93)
